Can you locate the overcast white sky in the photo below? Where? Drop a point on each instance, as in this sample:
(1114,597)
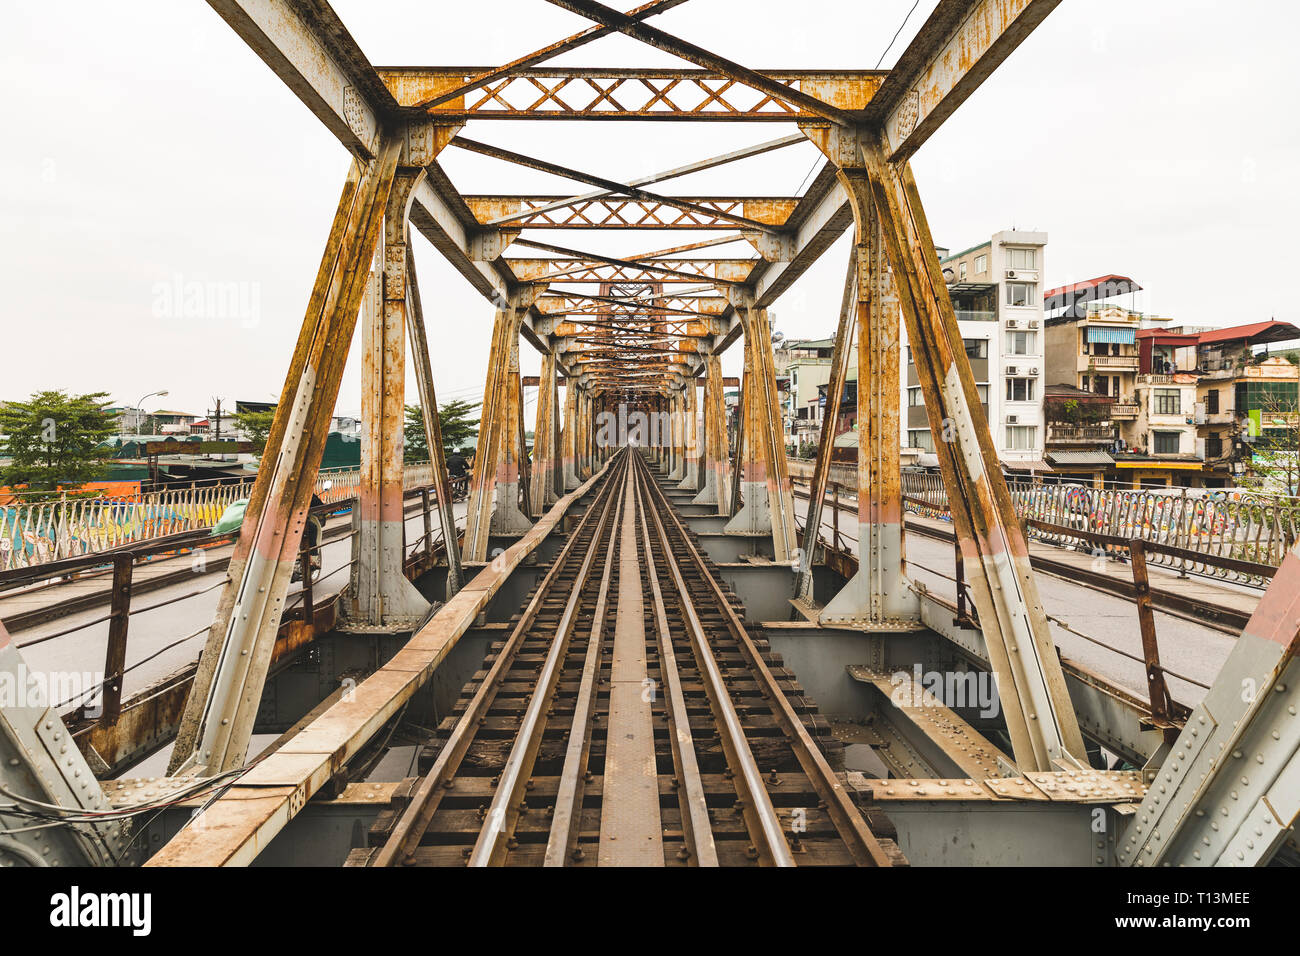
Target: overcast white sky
(147,145)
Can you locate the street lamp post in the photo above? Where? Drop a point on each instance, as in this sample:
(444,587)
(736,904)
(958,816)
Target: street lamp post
(139,406)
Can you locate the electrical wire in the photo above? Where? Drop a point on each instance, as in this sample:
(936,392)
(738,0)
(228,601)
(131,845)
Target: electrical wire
(897,33)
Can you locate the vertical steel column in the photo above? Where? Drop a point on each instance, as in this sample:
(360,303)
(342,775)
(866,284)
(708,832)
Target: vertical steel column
(494,463)
(433,432)
(1039,714)
(676,417)
(569,441)
(717,486)
(768,496)
(380,596)
(227,689)
(542,490)
(877,595)
(691,424)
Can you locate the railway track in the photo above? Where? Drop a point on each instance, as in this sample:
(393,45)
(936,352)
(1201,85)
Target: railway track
(631,718)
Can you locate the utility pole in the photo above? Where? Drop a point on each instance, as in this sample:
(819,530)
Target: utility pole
(216,424)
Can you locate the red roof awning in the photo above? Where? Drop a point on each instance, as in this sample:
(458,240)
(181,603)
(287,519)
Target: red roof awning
(1256,332)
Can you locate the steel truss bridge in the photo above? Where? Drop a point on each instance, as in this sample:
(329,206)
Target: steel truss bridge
(632,652)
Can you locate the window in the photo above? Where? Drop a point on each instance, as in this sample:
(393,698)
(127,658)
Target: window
(1021,437)
(961,271)
(983,391)
(976,348)
(981,264)
(1022,258)
(1022,293)
(1212,402)
(914,397)
(1020,389)
(920,439)
(1022,343)
(909,354)
(1165,401)
(1165,443)
(1214,447)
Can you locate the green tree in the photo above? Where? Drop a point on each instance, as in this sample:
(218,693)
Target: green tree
(1275,452)
(53,440)
(255,425)
(458,429)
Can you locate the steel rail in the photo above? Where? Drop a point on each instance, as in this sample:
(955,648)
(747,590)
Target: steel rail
(503,812)
(414,821)
(853,829)
(760,815)
(562,841)
(691,797)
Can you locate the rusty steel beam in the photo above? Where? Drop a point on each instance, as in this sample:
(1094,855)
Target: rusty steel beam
(956,50)
(653,94)
(323,67)
(433,431)
(699,166)
(707,213)
(1039,714)
(646,211)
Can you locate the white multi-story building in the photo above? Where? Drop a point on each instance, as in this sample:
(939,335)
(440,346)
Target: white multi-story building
(997,293)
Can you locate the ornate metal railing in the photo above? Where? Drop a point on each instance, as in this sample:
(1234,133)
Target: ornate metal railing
(37,532)
(1208,528)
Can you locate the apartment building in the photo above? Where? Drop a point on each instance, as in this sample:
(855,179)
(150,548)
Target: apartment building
(805,365)
(996,292)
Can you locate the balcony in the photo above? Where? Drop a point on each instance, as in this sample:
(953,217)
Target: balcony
(1111,363)
(972,315)
(1080,434)
(1124,411)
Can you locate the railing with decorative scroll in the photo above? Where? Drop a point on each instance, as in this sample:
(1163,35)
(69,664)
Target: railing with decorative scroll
(37,532)
(1207,528)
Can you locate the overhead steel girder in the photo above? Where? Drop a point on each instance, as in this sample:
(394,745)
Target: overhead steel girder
(956,50)
(588,271)
(624,212)
(567,93)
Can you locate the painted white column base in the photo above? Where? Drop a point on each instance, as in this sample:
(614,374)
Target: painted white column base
(878,593)
(506,516)
(691,481)
(755,514)
(709,492)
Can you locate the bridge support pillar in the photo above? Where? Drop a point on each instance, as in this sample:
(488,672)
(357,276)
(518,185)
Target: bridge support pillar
(380,595)
(569,458)
(677,427)
(768,500)
(878,594)
(546,480)
(716,488)
(496,460)
(690,422)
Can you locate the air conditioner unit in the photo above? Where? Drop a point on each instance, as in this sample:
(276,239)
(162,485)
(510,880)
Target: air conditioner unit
(1013,323)
(1033,371)
(1033,323)
(1012,419)
(1011,273)
(1013,369)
